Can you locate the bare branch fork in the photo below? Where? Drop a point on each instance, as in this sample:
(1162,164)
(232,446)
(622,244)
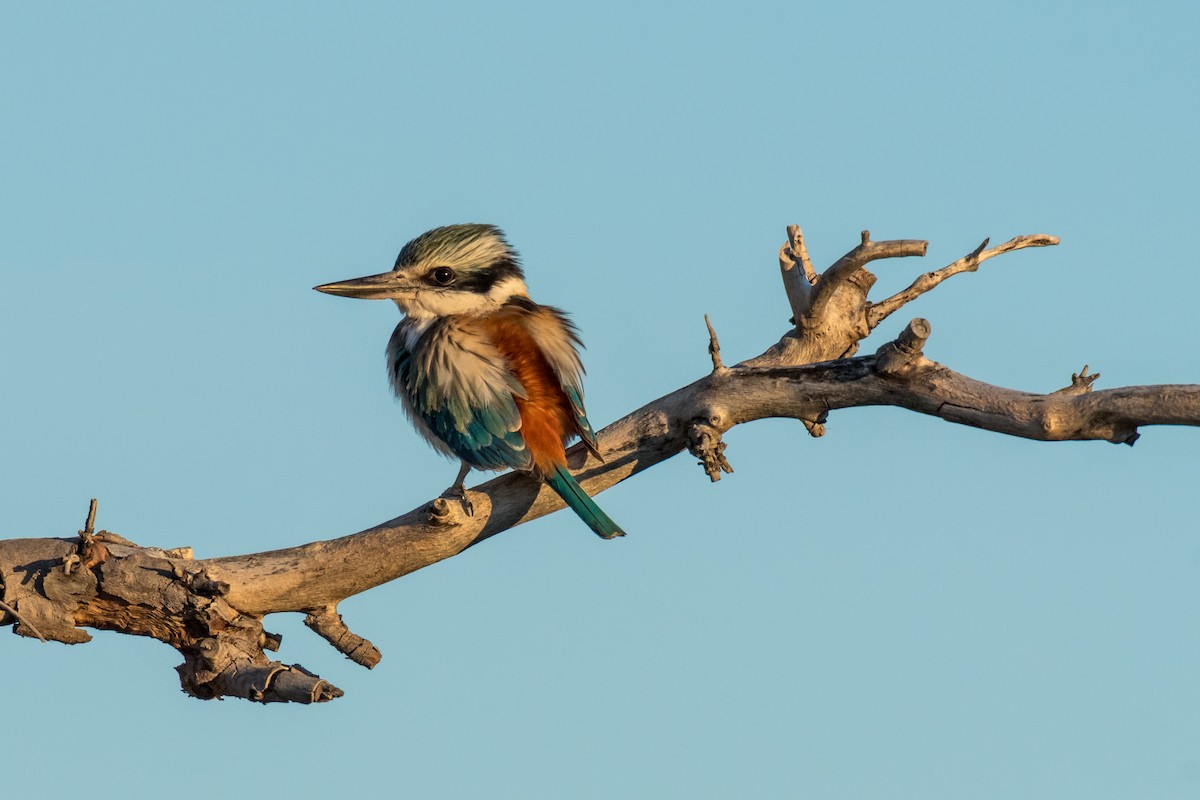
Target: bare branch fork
(211,610)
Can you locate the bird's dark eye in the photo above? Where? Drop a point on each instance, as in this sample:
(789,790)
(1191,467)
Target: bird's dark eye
(442,276)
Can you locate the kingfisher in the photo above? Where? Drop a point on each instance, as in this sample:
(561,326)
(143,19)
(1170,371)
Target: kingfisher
(485,374)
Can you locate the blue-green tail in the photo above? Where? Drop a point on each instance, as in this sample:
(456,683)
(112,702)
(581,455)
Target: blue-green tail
(574,496)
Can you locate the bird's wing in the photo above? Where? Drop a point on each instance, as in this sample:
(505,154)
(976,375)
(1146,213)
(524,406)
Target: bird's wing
(560,343)
(460,396)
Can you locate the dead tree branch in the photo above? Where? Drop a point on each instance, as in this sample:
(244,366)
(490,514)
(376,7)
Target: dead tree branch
(211,610)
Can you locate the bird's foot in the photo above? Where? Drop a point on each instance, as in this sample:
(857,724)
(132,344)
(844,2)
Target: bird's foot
(459,492)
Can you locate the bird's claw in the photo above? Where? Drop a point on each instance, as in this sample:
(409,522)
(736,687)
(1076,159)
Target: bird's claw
(459,493)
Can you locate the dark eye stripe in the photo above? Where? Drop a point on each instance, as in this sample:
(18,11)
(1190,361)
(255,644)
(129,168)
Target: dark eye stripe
(480,282)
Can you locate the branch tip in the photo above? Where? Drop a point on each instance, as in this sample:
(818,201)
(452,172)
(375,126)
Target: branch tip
(799,252)
(797,284)
(327,623)
(714,347)
(968,263)
(89,526)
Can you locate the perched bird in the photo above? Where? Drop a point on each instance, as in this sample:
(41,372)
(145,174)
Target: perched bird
(485,374)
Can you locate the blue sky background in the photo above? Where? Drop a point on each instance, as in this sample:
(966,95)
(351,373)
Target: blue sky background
(902,609)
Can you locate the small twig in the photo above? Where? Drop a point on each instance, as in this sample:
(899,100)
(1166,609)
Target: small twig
(714,347)
(24,622)
(328,624)
(89,527)
(968,263)
(1081,383)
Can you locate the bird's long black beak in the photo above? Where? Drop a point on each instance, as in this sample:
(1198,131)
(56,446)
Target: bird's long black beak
(372,287)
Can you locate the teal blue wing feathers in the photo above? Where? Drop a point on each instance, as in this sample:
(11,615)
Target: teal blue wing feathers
(477,425)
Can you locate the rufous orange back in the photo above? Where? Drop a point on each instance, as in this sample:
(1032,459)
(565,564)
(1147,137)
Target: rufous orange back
(546,415)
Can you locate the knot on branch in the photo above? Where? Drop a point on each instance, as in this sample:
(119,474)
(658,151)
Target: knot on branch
(445,512)
(904,355)
(199,581)
(706,444)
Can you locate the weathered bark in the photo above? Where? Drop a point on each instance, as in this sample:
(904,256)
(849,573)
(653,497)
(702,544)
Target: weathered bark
(212,610)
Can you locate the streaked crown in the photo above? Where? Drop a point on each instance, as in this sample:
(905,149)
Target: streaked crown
(478,256)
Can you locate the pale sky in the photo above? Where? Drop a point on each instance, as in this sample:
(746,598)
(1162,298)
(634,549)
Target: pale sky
(902,609)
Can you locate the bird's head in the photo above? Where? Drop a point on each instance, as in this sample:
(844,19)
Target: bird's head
(458,269)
